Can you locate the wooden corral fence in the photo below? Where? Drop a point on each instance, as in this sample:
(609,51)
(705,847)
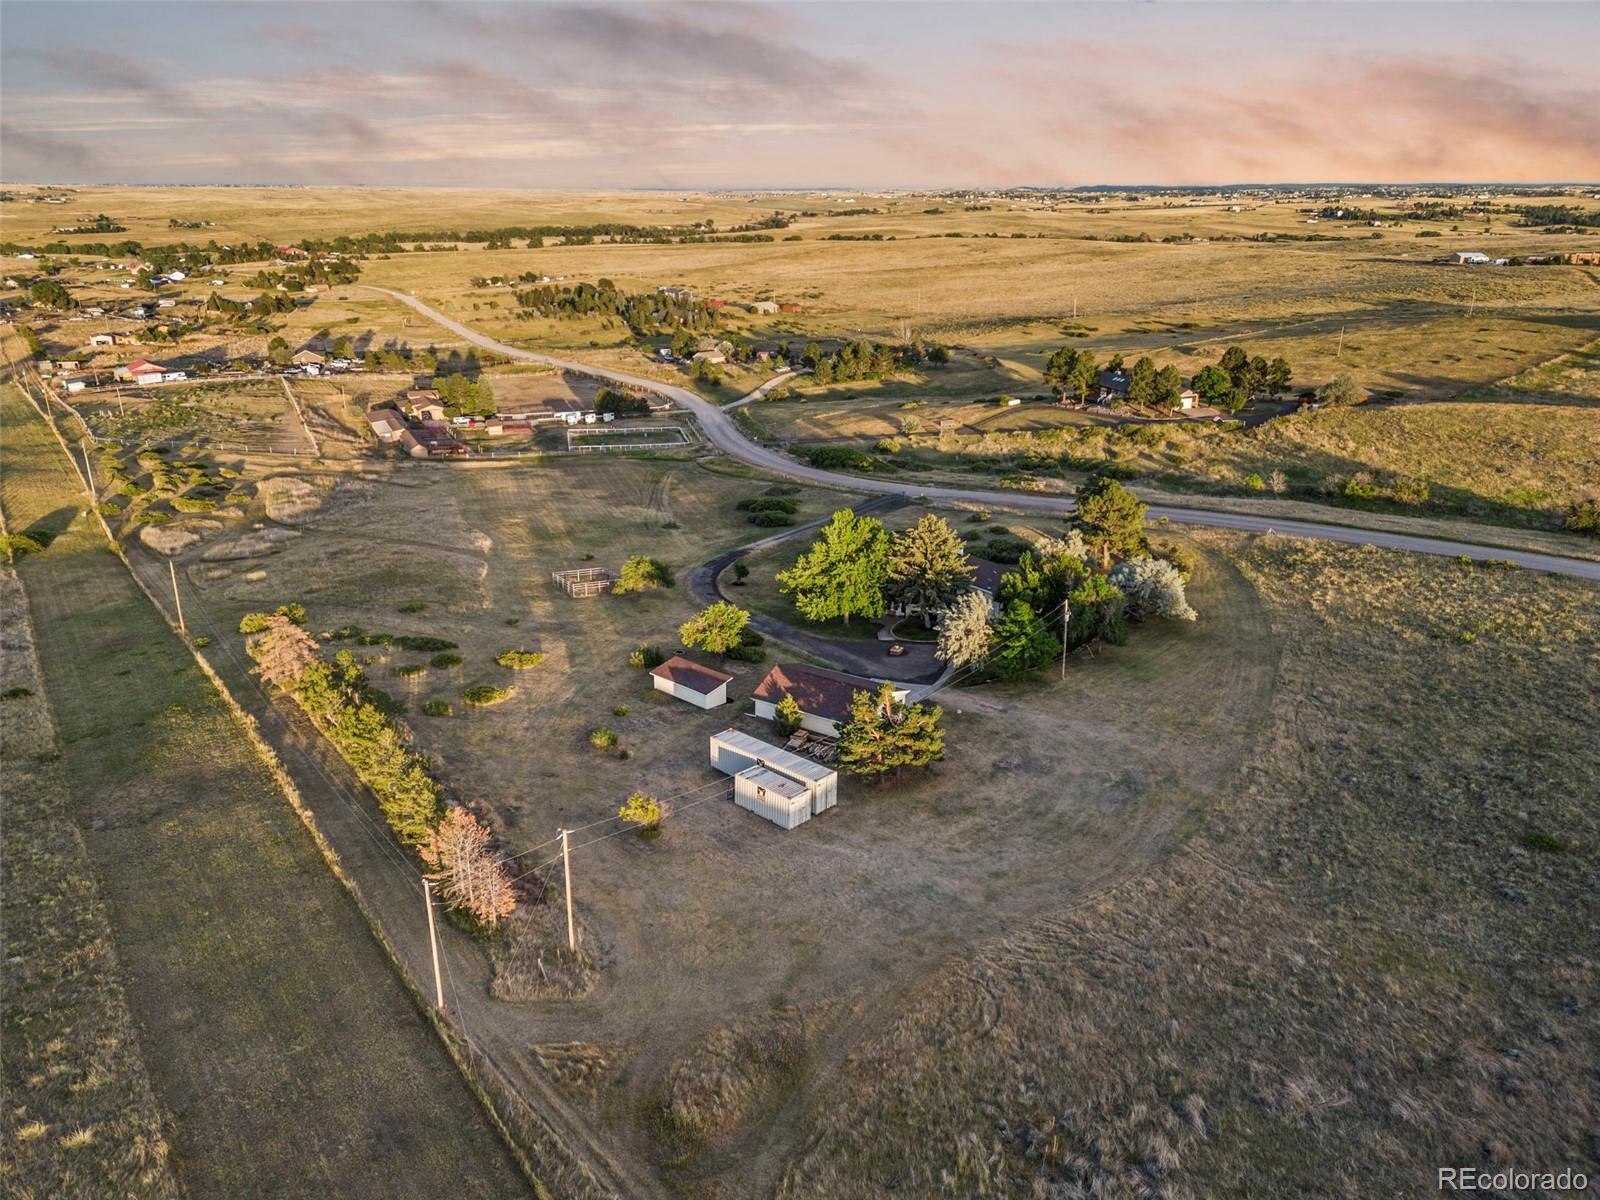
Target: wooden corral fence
(584,581)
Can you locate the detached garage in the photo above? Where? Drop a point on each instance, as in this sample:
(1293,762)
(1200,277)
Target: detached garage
(787,789)
(689,681)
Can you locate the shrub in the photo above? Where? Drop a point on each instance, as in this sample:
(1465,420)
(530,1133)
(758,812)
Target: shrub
(838,458)
(486,695)
(1583,516)
(445,661)
(16,545)
(411,670)
(887,446)
(620,710)
(768,520)
(422,643)
(644,811)
(786,716)
(646,658)
(1255,483)
(1537,839)
(202,642)
(414,606)
(603,738)
(642,573)
(519,660)
(768,504)
(1005,549)
(15,693)
(254,622)
(190,504)
(1179,557)
(373,639)
(437,708)
(294,611)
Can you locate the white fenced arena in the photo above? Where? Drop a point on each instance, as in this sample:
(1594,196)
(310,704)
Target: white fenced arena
(611,437)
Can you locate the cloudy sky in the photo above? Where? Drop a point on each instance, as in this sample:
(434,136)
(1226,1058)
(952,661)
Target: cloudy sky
(795,95)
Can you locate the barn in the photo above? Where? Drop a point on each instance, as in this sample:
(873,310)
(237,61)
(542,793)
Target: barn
(787,789)
(689,681)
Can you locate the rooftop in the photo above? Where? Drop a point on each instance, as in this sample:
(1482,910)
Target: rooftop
(680,670)
(817,691)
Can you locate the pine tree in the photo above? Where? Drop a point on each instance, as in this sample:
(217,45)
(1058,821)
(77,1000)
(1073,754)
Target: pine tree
(1097,613)
(843,572)
(885,735)
(1111,519)
(1022,642)
(928,567)
(787,715)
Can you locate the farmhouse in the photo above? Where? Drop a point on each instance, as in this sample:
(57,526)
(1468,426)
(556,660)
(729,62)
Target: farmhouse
(691,682)
(1469,257)
(823,696)
(785,788)
(1111,385)
(765,307)
(102,339)
(308,358)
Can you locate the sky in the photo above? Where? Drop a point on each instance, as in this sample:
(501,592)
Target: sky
(783,95)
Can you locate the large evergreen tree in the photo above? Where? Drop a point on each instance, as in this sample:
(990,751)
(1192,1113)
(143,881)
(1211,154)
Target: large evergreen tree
(1111,518)
(928,567)
(1142,382)
(844,571)
(1097,613)
(1023,642)
(885,735)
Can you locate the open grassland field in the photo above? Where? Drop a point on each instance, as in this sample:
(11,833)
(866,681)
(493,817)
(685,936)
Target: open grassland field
(289,1055)
(81,1118)
(1517,453)
(1373,956)
(701,964)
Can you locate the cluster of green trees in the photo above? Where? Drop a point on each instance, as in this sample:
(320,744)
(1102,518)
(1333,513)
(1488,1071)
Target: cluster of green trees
(863,359)
(464,396)
(1557,214)
(643,312)
(264,304)
(317,270)
(623,404)
(1239,376)
(52,293)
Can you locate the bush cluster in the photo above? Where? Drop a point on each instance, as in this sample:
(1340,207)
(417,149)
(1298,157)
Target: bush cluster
(486,695)
(519,660)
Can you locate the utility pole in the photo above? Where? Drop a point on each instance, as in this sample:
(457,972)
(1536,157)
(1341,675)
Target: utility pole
(1339,353)
(172,569)
(433,940)
(566,868)
(88,471)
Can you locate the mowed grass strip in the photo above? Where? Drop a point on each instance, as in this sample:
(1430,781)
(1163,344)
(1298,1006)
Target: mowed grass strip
(81,1117)
(292,1058)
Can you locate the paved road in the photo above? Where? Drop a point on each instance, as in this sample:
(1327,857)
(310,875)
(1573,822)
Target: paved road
(721,430)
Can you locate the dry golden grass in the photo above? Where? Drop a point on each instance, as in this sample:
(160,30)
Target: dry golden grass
(1362,945)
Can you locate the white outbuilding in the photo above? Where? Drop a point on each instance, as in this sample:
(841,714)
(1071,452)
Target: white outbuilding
(787,789)
(700,686)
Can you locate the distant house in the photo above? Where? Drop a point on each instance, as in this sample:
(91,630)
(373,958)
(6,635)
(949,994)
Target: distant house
(387,424)
(766,307)
(823,696)
(412,444)
(791,308)
(1469,257)
(710,356)
(74,386)
(716,304)
(1110,385)
(166,303)
(308,358)
(676,293)
(423,405)
(700,686)
(986,578)
(498,428)
(102,339)
(141,371)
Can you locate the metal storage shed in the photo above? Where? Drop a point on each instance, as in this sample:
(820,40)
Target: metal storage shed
(783,801)
(740,755)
